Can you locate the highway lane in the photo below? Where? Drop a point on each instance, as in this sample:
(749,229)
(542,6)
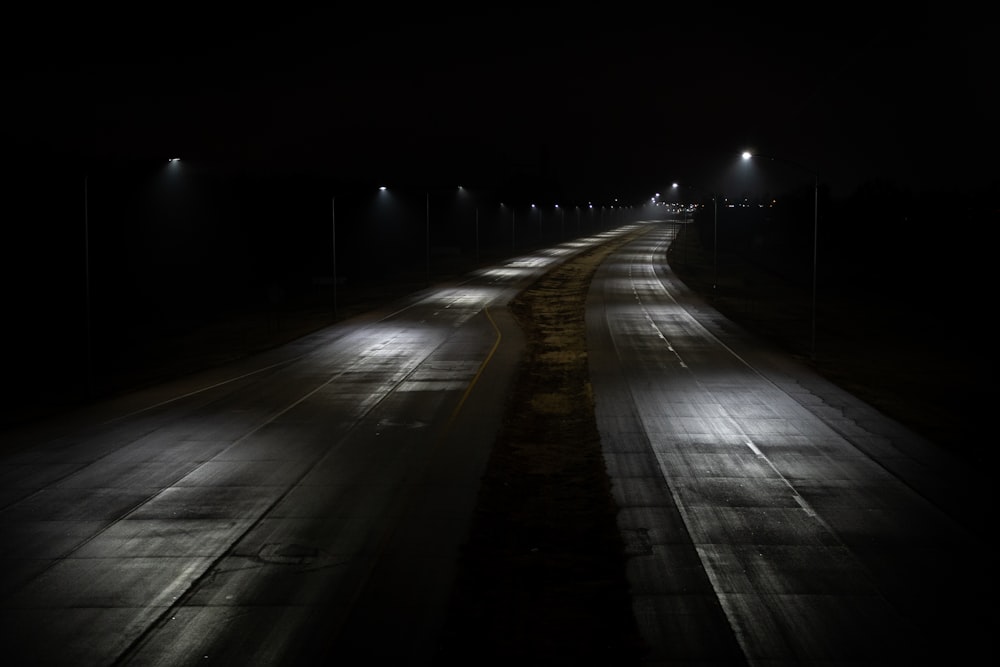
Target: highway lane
(305,503)
(770,517)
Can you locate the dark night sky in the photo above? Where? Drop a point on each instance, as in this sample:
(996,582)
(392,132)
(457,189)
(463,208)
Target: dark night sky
(603,101)
(105,245)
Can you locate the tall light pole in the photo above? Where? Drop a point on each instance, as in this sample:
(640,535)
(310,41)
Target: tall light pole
(428,242)
(333,236)
(747,155)
(86,282)
(715,232)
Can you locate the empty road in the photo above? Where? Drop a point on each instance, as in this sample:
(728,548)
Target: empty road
(307,501)
(313,500)
(770,517)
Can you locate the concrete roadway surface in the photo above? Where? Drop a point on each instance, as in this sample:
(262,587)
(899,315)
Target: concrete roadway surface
(310,501)
(278,508)
(770,518)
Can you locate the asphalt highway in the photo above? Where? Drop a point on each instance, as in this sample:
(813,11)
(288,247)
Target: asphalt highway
(770,517)
(313,500)
(309,501)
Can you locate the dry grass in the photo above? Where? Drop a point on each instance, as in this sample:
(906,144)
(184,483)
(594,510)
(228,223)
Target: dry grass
(542,579)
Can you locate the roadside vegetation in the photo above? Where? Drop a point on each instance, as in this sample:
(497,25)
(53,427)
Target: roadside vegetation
(542,578)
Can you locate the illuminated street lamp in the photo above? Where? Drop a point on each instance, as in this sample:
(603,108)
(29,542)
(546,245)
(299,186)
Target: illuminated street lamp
(715,232)
(173,165)
(746,156)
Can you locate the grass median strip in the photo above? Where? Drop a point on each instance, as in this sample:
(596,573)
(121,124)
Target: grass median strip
(543,574)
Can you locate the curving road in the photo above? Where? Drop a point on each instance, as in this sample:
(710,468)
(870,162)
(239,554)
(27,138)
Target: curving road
(769,517)
(310,501)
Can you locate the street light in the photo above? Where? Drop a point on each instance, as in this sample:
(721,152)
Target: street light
(86,279)
(428,235)
(715,232)
(333,235)
(173,164)
(746,157)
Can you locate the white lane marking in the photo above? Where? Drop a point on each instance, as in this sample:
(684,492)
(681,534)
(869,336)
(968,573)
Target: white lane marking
(652,322)
(733,616)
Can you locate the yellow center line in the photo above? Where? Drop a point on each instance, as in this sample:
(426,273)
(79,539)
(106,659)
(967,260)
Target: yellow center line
(479,372)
